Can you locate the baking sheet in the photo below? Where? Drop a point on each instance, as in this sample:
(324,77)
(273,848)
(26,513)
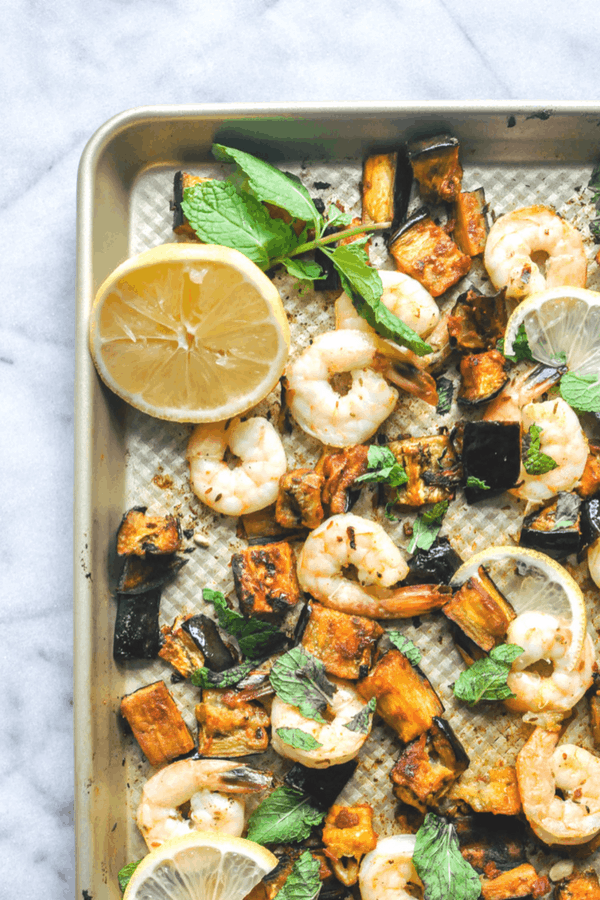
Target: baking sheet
(132,459)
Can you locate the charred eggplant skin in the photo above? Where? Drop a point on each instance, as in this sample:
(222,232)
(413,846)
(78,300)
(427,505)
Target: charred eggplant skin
(484,375)
(436,167)
(205,635)
(491,452)
(590,519)
(539,529)
(322,785)
(436,565)
(137,635)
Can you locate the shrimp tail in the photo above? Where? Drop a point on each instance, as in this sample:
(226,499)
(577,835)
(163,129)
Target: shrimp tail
(413,380)
(411,600)
(244,779)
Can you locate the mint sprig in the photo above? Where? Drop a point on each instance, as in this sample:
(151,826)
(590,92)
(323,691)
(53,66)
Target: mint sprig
(253,636)
(285,815)
(299,679)
(534,461)
(304,881)
(299,739)
(521,350)
(440,865)
(406,647)
(382,468)
(582,392)
(427,527)
(479,483)
(486,678)
(206,678)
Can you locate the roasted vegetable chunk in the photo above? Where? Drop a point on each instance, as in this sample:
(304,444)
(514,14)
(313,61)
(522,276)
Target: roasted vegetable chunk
(578,886)
(299,499)
(590,520)
(432,467)
(523,881)
(322,785)
(436,565)
(595,719)
(405,698)
(265,580)
(157,723)
(492,844)
(491,454)
(179,649)
(477,322)
(230,727)
(146,573)
(496,792)
(424,251)
(428,767)
(344,644)
(379,177)
(435,165)
(555,529)
(182,181)
(340,470)
(589,483)
(137,634)
(139,534)
(262,527)
(481,612)
(194,641)
(347,835)
(483,377)
(470,228)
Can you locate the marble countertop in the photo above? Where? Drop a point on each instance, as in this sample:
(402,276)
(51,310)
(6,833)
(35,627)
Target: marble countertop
(68,67)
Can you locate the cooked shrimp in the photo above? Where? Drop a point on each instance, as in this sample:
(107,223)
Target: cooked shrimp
(542,770)
(593,558)
(249,486)
(207,784)
(338,743)
(520,390)
(388,869)
(517,237)
(545,637)
(403,296)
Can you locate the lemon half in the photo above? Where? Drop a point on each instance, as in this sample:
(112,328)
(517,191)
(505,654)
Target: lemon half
(192,333)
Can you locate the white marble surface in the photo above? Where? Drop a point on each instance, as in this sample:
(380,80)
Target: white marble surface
(67,67)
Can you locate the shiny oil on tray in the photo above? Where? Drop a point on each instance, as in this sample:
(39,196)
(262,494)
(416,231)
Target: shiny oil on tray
(520,155)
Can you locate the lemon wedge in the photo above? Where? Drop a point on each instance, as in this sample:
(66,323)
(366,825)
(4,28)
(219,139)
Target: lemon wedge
(202,865)
(191,333)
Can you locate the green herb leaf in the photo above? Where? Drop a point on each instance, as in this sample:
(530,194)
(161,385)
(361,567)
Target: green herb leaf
(594,183)
(285,815)
(559,359)
(304,881)
(582,392)
(536,462)
(445,392)
(363,285)
(383,468)
(265,182)
(440,865)
(336,218)
(521,349)
(205,678)
(299,679)
(361,722)
(253,636)
(473,482)
(486,678)
(295,737)
(125,874)
(406,647)
(304,270)
(427,527)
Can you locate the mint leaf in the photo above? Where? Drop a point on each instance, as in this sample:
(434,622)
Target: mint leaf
(363,285)
(520,348)
(445,392)
(473,482)
(361,722)
(285,815)
(582,392)
(304,270)
(265,182)
(253,636)
(383,468)
(486,678)
(427,527)
(205,678)
(336,218)
(220,215)
(536,462)
(440,865)
(406,647)
(304,881)
(295,737)
(299,679)
(437,512)
(125,874)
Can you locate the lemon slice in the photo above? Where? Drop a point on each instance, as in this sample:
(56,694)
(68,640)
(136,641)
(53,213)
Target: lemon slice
(533,581)
(563,320)
(202,865)
(192,333)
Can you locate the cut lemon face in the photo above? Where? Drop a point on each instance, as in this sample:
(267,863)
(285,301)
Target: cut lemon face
(202,865)
(562,326)
(192,333)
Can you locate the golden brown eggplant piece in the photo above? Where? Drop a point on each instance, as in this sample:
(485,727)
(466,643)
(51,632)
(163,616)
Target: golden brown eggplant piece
(140,534)
(299,499)
(523,881)
(157,724)
(482,614)
(227,727)
(496,792)
(405,698)
(540,531)
(347,835)
(262,527)
(435,165)
(379,176)
(344,644)
(424,251)
(483,377)
(432,466)
(477,322)
(589,483)
(179,649)
(470,225)
(265,580)
(428,766)
(340,470)
(578,886)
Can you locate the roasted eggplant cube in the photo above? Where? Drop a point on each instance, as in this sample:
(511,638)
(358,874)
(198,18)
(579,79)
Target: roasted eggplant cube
(179,649)
(265,580)
(483,377)
(491,453)
(347,835)
(556,528)
(590,520)
(344,644)
(261,527)
(492,843)
(523,881)
(477,322)
(228,726)
(496,792)
(425,251)
(405,698)
(340,470)
(578,886)
(181,181)
(137,634)
(140,534)
(321,785)
(432,466)
(157,723)
(428,766)
(480,611)
(205,635)
(146,573)
(471,227)
(299,499)
(589,483)
(435,165)
(436,565)
(379,178)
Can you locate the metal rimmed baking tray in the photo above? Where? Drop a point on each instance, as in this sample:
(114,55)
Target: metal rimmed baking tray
(530,152)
